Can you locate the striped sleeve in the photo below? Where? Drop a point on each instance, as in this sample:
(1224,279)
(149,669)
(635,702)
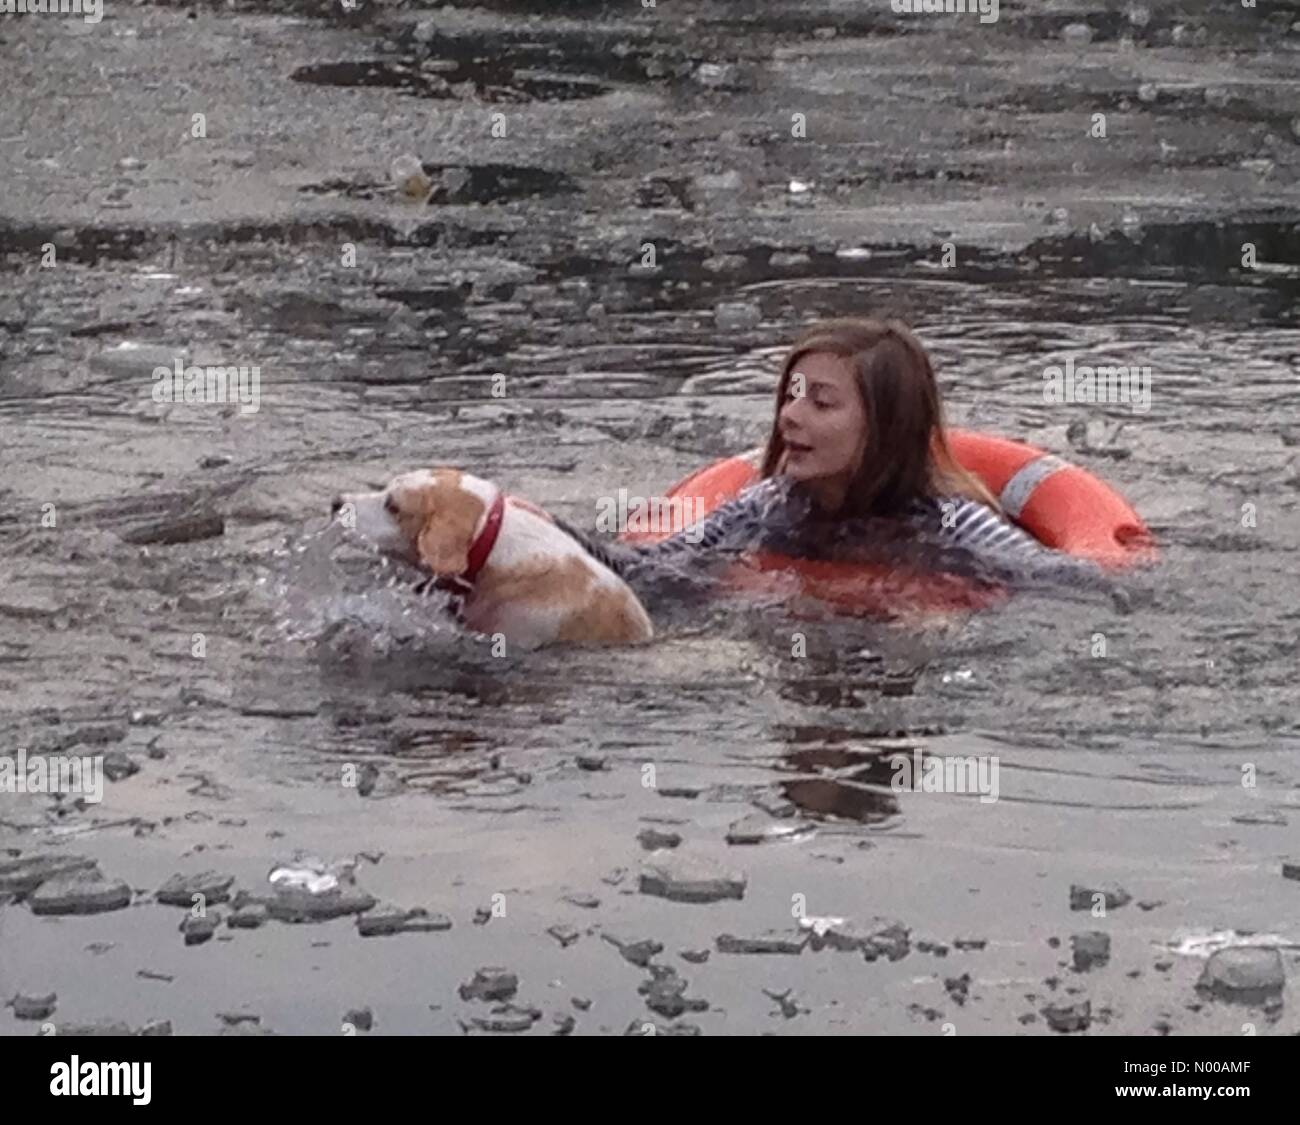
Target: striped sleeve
(734,525)
(1000,548)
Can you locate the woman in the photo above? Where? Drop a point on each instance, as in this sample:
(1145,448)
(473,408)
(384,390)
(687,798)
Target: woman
(857,466)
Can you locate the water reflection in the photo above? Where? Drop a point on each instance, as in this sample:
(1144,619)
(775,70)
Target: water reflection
(848,784)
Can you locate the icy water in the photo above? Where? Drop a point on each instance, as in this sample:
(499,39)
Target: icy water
(1126,766)
(170,591)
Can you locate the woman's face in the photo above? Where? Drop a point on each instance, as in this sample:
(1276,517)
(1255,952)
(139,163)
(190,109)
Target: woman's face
(822,422)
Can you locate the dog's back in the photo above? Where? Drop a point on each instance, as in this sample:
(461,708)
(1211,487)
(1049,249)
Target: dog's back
(541,573)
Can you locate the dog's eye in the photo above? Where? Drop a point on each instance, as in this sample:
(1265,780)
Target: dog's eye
(390,505)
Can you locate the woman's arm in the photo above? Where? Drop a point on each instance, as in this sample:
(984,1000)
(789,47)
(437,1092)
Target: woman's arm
(734,526)
(961,535)
(999,550)
(731,527)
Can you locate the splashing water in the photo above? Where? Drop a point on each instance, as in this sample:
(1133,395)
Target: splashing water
(325,590)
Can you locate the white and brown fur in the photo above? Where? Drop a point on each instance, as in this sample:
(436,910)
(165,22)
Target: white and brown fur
(537,587)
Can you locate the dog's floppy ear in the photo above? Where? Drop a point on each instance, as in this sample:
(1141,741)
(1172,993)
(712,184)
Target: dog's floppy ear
(450,517)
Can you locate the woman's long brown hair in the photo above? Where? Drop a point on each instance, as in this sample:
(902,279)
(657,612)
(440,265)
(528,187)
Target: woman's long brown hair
(907,455)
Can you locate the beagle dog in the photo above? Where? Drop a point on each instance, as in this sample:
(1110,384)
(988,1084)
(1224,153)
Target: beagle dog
(513,569)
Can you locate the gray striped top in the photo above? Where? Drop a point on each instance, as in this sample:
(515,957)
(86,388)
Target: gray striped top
(952,534)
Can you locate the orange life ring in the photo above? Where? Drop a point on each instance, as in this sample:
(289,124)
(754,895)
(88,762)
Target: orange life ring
(1063,506)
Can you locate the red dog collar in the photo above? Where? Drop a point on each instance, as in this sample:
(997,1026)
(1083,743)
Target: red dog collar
(479,550)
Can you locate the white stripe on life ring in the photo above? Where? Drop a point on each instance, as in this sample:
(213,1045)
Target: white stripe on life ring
(1017,491)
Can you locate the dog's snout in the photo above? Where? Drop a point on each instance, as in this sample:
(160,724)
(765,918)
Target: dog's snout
(336,505)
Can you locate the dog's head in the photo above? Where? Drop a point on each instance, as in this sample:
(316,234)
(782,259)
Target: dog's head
(428,518)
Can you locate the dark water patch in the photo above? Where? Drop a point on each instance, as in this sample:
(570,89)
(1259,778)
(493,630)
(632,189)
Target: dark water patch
(590,57)
(904,172)
(91,243)
(444,298)
(678,262)
(554,7)
(840,783)
(823,798)
(356,13)
(488,78)
(497,183)
(305,315)
(1196,249)
(86,245)
(929,175)
(1211,104)
(1203,250)
(309,232)
(690,274)
(857,21)
(462,184)
(352,189)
